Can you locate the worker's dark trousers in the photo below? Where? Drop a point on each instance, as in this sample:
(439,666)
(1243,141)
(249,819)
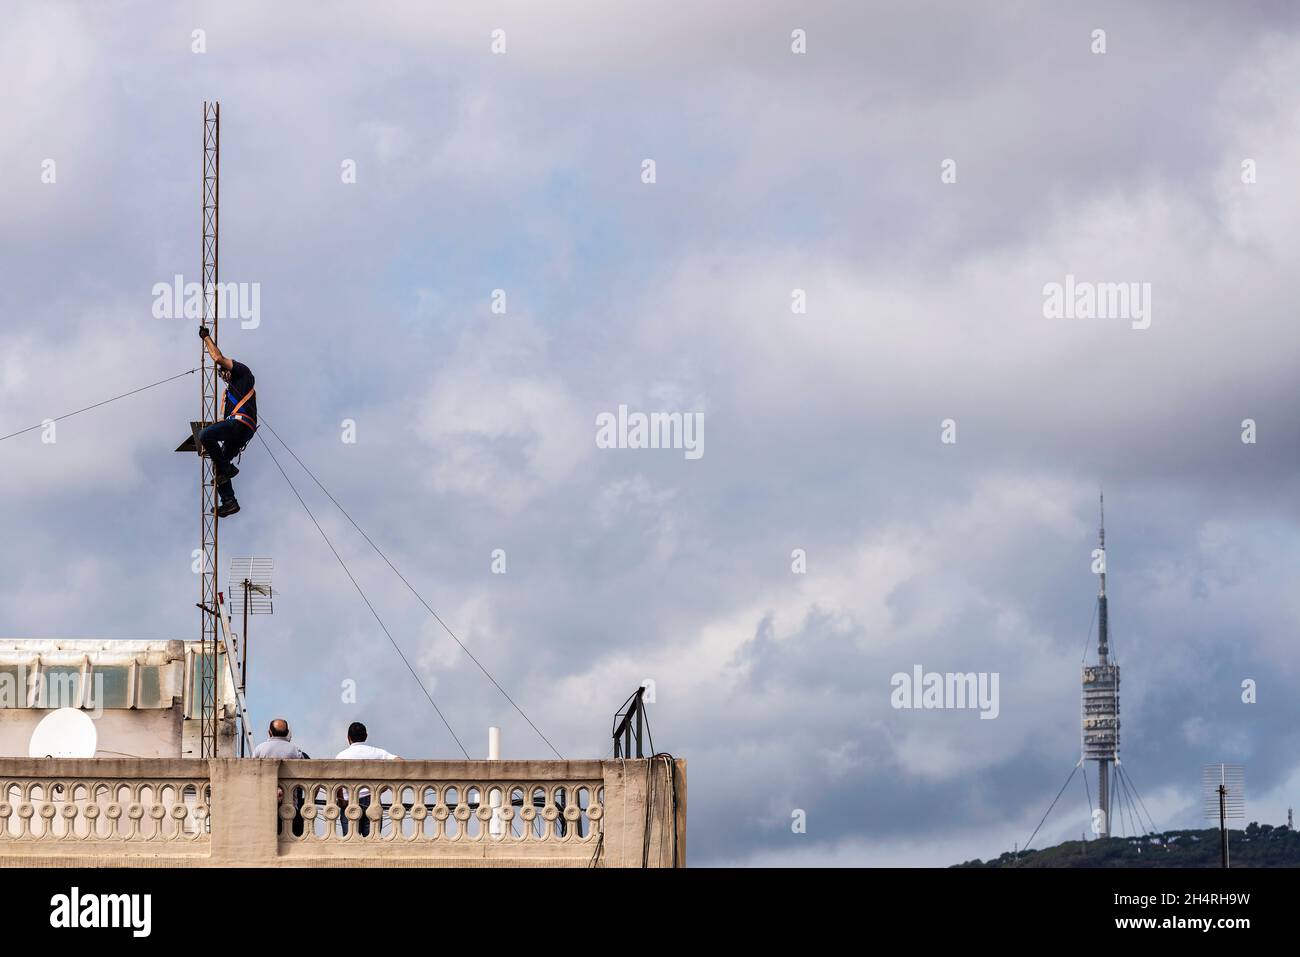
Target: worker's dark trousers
(298,822)
(363,825)
(223,441)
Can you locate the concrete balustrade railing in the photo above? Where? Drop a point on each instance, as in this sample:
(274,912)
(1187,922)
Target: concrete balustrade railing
(231,812)
(68,807)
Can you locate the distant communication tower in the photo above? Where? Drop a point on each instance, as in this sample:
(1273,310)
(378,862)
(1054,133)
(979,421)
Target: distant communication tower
(1100,739)
(1099,730)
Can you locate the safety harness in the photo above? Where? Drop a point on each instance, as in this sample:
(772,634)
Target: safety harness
(243,416)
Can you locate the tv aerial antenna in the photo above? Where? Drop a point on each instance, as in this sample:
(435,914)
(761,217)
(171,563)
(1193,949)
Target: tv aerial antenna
(250,590)
(1224,789)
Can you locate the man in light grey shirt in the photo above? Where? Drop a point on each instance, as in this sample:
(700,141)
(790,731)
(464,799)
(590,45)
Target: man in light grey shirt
(279,745)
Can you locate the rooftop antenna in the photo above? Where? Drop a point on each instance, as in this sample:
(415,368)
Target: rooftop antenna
(1224,789)
(1100,724)
(64,733)
(250,588)
(209,597)
(209,670)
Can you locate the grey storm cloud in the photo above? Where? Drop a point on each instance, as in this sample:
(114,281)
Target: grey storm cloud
(476,430)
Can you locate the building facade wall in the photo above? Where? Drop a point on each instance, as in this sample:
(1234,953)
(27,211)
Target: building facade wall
(122,733)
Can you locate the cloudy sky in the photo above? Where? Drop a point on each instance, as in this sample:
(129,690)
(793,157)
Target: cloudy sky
(1169,159)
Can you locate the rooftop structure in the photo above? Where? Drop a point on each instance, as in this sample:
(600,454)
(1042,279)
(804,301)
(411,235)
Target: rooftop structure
(143,694)
(223,812)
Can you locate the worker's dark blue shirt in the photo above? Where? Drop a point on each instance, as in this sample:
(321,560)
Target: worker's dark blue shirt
(241,384)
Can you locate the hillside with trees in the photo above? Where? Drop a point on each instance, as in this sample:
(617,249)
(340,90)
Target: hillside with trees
(1259,845)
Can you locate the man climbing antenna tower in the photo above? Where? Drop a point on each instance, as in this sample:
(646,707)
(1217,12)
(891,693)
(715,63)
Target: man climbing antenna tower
(224,440)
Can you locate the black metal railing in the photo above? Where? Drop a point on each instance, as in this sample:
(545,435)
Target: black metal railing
(629,724)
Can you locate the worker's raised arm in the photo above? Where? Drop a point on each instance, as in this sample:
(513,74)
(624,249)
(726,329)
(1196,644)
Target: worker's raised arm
(213,351)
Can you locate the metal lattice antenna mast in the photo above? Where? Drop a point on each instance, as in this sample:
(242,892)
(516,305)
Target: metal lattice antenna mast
(207,663)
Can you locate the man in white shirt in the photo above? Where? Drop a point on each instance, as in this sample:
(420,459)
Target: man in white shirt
(358,750)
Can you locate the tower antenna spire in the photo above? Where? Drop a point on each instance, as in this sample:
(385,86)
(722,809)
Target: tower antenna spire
(1101,496)
(1101,593)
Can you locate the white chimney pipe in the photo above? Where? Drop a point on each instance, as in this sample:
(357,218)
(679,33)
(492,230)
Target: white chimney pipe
(497,826)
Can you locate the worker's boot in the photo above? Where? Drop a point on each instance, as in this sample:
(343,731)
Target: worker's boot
(226,474)
(229,507)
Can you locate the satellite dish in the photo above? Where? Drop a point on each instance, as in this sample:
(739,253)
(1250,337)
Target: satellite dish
(65,733)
